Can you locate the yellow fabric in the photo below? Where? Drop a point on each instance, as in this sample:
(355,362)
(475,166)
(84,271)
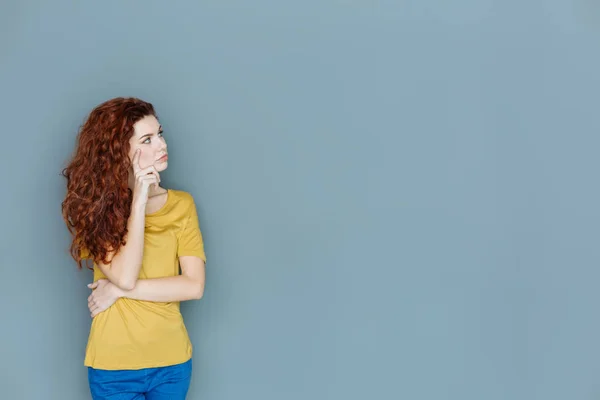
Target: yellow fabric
(134,334)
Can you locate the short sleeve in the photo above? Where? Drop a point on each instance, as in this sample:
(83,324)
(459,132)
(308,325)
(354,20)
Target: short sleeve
(190,241)
(84,253)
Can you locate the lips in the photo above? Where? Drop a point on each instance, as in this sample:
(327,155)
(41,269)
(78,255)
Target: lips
(164,158)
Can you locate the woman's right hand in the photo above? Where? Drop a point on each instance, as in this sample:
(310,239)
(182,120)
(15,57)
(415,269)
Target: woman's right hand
(144,177)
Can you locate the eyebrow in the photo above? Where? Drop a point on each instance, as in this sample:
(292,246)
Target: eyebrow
(160,129)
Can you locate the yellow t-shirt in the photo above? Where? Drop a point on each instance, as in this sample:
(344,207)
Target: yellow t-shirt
(134,334)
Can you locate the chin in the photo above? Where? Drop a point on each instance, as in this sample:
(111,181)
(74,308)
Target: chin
(161,166)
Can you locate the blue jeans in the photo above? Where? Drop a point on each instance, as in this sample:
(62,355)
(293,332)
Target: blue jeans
(161,383)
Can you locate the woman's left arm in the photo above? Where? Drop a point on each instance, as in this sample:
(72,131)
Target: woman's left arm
(187,286)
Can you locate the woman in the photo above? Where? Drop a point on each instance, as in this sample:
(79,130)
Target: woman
(147,252)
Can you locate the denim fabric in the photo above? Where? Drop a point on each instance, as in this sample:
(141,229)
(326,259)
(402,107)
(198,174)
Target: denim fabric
(161,383)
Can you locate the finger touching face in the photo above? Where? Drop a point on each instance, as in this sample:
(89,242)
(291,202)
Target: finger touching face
(148,140)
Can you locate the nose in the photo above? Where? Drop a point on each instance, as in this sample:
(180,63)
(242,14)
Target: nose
(162,144)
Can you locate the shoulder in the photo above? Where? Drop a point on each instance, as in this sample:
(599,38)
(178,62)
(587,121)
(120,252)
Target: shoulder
(181,196)
(182,200)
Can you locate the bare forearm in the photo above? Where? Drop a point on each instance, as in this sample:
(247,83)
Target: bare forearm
(125,266)
(167,289)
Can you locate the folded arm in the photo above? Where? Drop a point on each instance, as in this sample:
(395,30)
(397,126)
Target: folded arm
(187,286)
(124,282)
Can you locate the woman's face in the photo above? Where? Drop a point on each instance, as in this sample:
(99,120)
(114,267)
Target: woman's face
(147,137)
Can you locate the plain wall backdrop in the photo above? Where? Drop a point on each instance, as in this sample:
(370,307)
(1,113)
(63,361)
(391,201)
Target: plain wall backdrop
(399,198)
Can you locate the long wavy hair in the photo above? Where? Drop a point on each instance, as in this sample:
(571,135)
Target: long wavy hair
(97,204)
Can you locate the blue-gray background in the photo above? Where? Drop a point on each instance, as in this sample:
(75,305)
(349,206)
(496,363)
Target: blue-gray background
(399,198)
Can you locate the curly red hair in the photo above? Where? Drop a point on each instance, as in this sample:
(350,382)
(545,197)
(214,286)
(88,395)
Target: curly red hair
(98,200)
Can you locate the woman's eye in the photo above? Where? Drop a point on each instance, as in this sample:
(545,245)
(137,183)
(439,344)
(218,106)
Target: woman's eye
(147,140)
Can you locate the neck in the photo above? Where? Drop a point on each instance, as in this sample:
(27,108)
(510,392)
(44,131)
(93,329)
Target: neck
(152,191)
